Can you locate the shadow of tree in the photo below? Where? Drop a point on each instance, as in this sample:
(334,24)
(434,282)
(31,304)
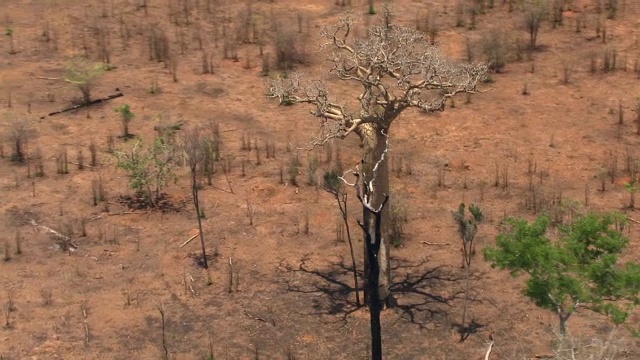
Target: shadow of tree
(420,294)
(466,330)
(334,284)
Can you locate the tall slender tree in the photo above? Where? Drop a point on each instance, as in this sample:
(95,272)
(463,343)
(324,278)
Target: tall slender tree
(195,154)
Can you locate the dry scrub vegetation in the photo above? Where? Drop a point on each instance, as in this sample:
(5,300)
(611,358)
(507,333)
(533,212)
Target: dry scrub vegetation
(156,203)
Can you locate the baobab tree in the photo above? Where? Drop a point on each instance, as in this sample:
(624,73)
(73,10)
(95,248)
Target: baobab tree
(393,68)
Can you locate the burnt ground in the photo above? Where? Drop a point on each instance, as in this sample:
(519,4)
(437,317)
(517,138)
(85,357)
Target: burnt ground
(293,294)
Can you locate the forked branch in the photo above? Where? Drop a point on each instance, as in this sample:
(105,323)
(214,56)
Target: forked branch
(394,67)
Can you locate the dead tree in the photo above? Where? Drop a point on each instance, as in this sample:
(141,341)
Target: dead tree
(535,11)
(394,68)
(20,132)
(195,154)
(332,185)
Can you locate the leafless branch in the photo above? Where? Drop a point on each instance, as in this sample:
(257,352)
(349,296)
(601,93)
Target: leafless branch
(396,67)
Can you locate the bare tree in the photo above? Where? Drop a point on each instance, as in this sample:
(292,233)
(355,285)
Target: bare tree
(394,68)
(20,131)
(195,154)
(535,11)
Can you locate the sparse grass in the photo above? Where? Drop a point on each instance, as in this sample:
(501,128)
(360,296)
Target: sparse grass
(293,170)
(290,48)
(46,297)
(6,251)
(518,77)
(610,346)
(251,211)
(97,191)
(93,153)
(496,49)
(20,133)
(305,223)
(18,243)
(62,161)
(312,168)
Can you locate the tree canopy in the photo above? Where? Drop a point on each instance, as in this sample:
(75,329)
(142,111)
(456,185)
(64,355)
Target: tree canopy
(578,268)
(394,66)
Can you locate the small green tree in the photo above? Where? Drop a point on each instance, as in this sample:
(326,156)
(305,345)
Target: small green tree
(126,115)
(631,189)
(577,269)
(149,169)
(83,74)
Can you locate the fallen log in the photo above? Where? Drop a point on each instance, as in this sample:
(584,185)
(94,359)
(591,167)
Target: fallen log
(92,102)
(66,241)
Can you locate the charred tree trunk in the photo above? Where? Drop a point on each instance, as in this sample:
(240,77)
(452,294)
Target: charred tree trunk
(374,141)
(373,245)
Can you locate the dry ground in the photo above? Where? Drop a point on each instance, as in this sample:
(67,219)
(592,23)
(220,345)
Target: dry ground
(293,295)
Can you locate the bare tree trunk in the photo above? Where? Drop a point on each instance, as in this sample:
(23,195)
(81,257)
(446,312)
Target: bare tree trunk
(466,295)
(374,140)
(196,204)
(344,212)
(373,250)
(563,322)
(372,240)
(151,199)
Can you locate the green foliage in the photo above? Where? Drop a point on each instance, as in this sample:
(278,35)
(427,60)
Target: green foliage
(125,112)
(467,229)
(8,31)
(149,169)
(577,269)
(332,181)
(126,115)
(631,187)
(82,74)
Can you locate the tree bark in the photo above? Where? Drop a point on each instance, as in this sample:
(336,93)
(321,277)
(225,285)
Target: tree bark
(374,141)
(373,247)
(563,322)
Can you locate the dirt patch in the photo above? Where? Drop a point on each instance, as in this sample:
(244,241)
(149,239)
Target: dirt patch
(292,293)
